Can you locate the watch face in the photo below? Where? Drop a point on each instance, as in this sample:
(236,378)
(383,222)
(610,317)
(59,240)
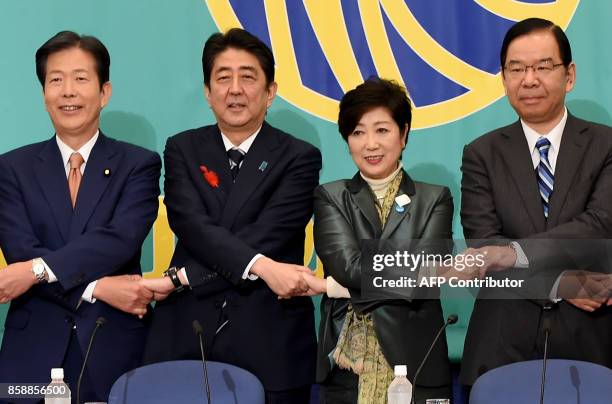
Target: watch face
(39,270)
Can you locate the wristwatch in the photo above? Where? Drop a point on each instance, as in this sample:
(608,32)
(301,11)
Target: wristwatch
(172,273)
(39,270)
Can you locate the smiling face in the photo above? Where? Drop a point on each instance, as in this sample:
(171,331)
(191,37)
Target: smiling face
(72,93)
(376,143)
(238,93)
(538,98)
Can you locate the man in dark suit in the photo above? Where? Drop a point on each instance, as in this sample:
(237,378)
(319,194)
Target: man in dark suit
(543,178)
(239,195)
(74,212)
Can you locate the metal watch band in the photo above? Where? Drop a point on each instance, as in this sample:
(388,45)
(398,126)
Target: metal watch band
(39,270)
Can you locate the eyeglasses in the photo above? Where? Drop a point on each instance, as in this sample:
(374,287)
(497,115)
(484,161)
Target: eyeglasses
(516,70)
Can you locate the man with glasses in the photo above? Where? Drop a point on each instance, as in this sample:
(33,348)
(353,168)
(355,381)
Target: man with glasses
(547,176)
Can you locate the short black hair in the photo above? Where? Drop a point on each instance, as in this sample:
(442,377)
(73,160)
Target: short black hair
(68,39)
(530,25)
(374,93)
(237,38)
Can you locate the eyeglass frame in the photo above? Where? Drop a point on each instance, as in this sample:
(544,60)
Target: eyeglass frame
(534,67)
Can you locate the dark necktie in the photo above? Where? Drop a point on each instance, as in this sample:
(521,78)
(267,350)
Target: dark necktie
(235,156)
(546,179)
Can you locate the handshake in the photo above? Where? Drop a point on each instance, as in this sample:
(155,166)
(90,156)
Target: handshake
(133,293)
(584,289)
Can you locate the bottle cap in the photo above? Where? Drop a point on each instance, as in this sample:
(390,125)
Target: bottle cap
(400,370)
(57,373)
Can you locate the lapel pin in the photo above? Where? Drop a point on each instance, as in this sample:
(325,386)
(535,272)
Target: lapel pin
(401,201)
(263,166)
(107,172)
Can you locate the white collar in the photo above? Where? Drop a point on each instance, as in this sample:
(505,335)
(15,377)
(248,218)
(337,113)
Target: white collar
(554,136)
(84,151)
(244,146)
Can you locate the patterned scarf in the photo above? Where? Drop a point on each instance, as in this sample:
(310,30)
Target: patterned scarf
(358,348)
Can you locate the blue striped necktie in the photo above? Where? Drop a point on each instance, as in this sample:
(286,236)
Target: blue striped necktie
(546,179)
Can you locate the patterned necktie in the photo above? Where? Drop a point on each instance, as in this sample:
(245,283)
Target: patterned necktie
(74,176)
(235,156)
(546,179)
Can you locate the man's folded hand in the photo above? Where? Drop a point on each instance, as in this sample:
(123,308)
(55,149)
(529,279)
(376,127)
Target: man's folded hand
(124,292)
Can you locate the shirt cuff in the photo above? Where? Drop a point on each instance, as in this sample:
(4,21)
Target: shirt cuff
(88,293)
(50,275)
(182,270)
(521,258)
(335,290)
(554,292)
(246,273)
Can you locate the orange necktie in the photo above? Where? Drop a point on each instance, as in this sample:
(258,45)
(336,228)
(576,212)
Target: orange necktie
(74,176)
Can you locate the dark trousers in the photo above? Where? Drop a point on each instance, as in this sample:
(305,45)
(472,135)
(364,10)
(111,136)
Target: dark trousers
(341,387)
(300,395)
(73,361)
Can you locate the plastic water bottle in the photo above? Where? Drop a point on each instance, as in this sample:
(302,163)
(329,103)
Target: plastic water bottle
(57,391)
(400,389)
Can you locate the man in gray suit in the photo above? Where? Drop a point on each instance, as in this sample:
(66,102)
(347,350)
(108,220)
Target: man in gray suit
(547,176)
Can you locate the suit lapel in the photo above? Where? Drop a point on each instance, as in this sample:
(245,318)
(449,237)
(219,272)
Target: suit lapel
(51,176)
(515,152)
(571,154)
(363,198)
(211,154)
(396,218)
(257,163)
(103,157)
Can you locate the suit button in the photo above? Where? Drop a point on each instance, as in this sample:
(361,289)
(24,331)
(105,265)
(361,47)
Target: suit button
(68,319)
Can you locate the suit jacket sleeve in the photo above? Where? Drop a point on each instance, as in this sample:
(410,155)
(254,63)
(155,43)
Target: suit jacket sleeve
(100,251)
(478,214)
(440,223)
(18,240)
(335,242)
(227,252)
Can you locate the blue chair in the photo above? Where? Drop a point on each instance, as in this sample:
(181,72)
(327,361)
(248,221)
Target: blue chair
(567,381)
(183,382)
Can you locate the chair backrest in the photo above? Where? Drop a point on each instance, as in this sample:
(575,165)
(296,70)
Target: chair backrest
(183,382)
(567,381)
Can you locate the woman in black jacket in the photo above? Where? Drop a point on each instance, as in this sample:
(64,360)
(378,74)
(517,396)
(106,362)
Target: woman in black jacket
(362,338)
